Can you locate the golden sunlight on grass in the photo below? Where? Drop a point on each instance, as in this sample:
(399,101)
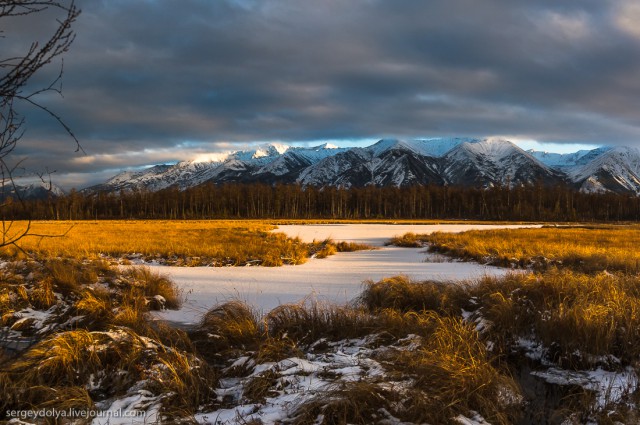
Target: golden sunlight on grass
(588,249)
(181,242)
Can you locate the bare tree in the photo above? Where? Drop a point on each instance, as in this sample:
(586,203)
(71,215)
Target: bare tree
(15,74)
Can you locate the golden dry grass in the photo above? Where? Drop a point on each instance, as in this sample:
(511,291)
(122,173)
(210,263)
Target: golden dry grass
(578,317)
(588,249)
(182,243)
(449,373)
(72,359)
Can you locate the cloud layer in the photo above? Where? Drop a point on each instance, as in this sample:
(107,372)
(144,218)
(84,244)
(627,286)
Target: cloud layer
(154,80)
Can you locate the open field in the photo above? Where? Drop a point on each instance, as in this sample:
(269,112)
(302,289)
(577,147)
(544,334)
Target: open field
(184,243)
(588,249)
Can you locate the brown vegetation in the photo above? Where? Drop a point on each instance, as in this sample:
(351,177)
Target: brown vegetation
(180,243)
(586,249)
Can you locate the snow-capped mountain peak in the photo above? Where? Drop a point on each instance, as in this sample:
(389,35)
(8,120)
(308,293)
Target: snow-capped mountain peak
(493,148)
(451,161)
(270,150)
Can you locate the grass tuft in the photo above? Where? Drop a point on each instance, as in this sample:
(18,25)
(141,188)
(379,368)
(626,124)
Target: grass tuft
(350,403)
(400,293)
(152,284)
(232,325)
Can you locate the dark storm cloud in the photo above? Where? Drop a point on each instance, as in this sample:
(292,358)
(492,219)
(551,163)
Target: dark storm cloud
(152,81)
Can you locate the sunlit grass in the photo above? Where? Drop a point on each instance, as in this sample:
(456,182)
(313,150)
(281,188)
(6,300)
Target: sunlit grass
(187,243)
(612,248)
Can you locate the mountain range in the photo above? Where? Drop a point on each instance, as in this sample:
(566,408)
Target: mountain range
(443,161)
(29,191)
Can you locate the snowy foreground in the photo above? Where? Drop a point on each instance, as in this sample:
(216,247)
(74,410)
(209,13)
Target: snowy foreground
(336,279)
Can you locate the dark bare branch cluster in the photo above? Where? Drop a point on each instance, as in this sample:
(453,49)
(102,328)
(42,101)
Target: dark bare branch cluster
(15,73)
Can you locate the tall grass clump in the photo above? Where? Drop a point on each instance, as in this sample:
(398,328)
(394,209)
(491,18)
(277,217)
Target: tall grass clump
(402,294)
(229,326)
(328,247)
(307,322)
(579,315)
(454,374)
(69,276)
(109,363)
(449,374)
(143,281)
(357,403)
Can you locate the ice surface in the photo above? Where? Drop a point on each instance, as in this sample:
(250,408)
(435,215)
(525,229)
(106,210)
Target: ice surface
(336,279)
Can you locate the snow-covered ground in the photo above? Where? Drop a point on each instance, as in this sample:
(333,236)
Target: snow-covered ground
(336,279)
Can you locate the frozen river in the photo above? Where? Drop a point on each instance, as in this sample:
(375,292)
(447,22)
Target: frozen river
(335,279)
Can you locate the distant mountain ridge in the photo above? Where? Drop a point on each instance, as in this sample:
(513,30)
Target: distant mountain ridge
(30,191)
(394,162)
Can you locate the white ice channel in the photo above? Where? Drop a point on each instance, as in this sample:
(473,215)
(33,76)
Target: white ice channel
(336,279)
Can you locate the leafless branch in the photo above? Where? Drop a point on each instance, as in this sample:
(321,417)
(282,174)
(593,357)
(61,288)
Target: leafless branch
(18,71)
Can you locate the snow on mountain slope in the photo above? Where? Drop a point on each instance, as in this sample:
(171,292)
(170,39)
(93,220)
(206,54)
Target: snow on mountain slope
(389,162)
(438,147)
(435,147)
(340,170)
(451,161)
(615,170)
(30,191)
(495,162)
(562,160)
(295,159)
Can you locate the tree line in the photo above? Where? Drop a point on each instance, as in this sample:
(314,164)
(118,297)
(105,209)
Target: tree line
(260,201)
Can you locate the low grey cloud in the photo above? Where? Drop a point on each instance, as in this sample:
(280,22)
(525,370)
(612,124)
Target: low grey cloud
(163,80)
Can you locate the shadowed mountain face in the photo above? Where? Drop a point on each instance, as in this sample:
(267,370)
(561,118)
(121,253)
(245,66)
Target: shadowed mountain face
(392,162)
(29,191)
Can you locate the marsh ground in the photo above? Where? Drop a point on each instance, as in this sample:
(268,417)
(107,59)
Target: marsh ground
(402,352)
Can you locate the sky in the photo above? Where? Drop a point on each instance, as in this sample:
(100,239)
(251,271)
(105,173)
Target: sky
(158,81)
